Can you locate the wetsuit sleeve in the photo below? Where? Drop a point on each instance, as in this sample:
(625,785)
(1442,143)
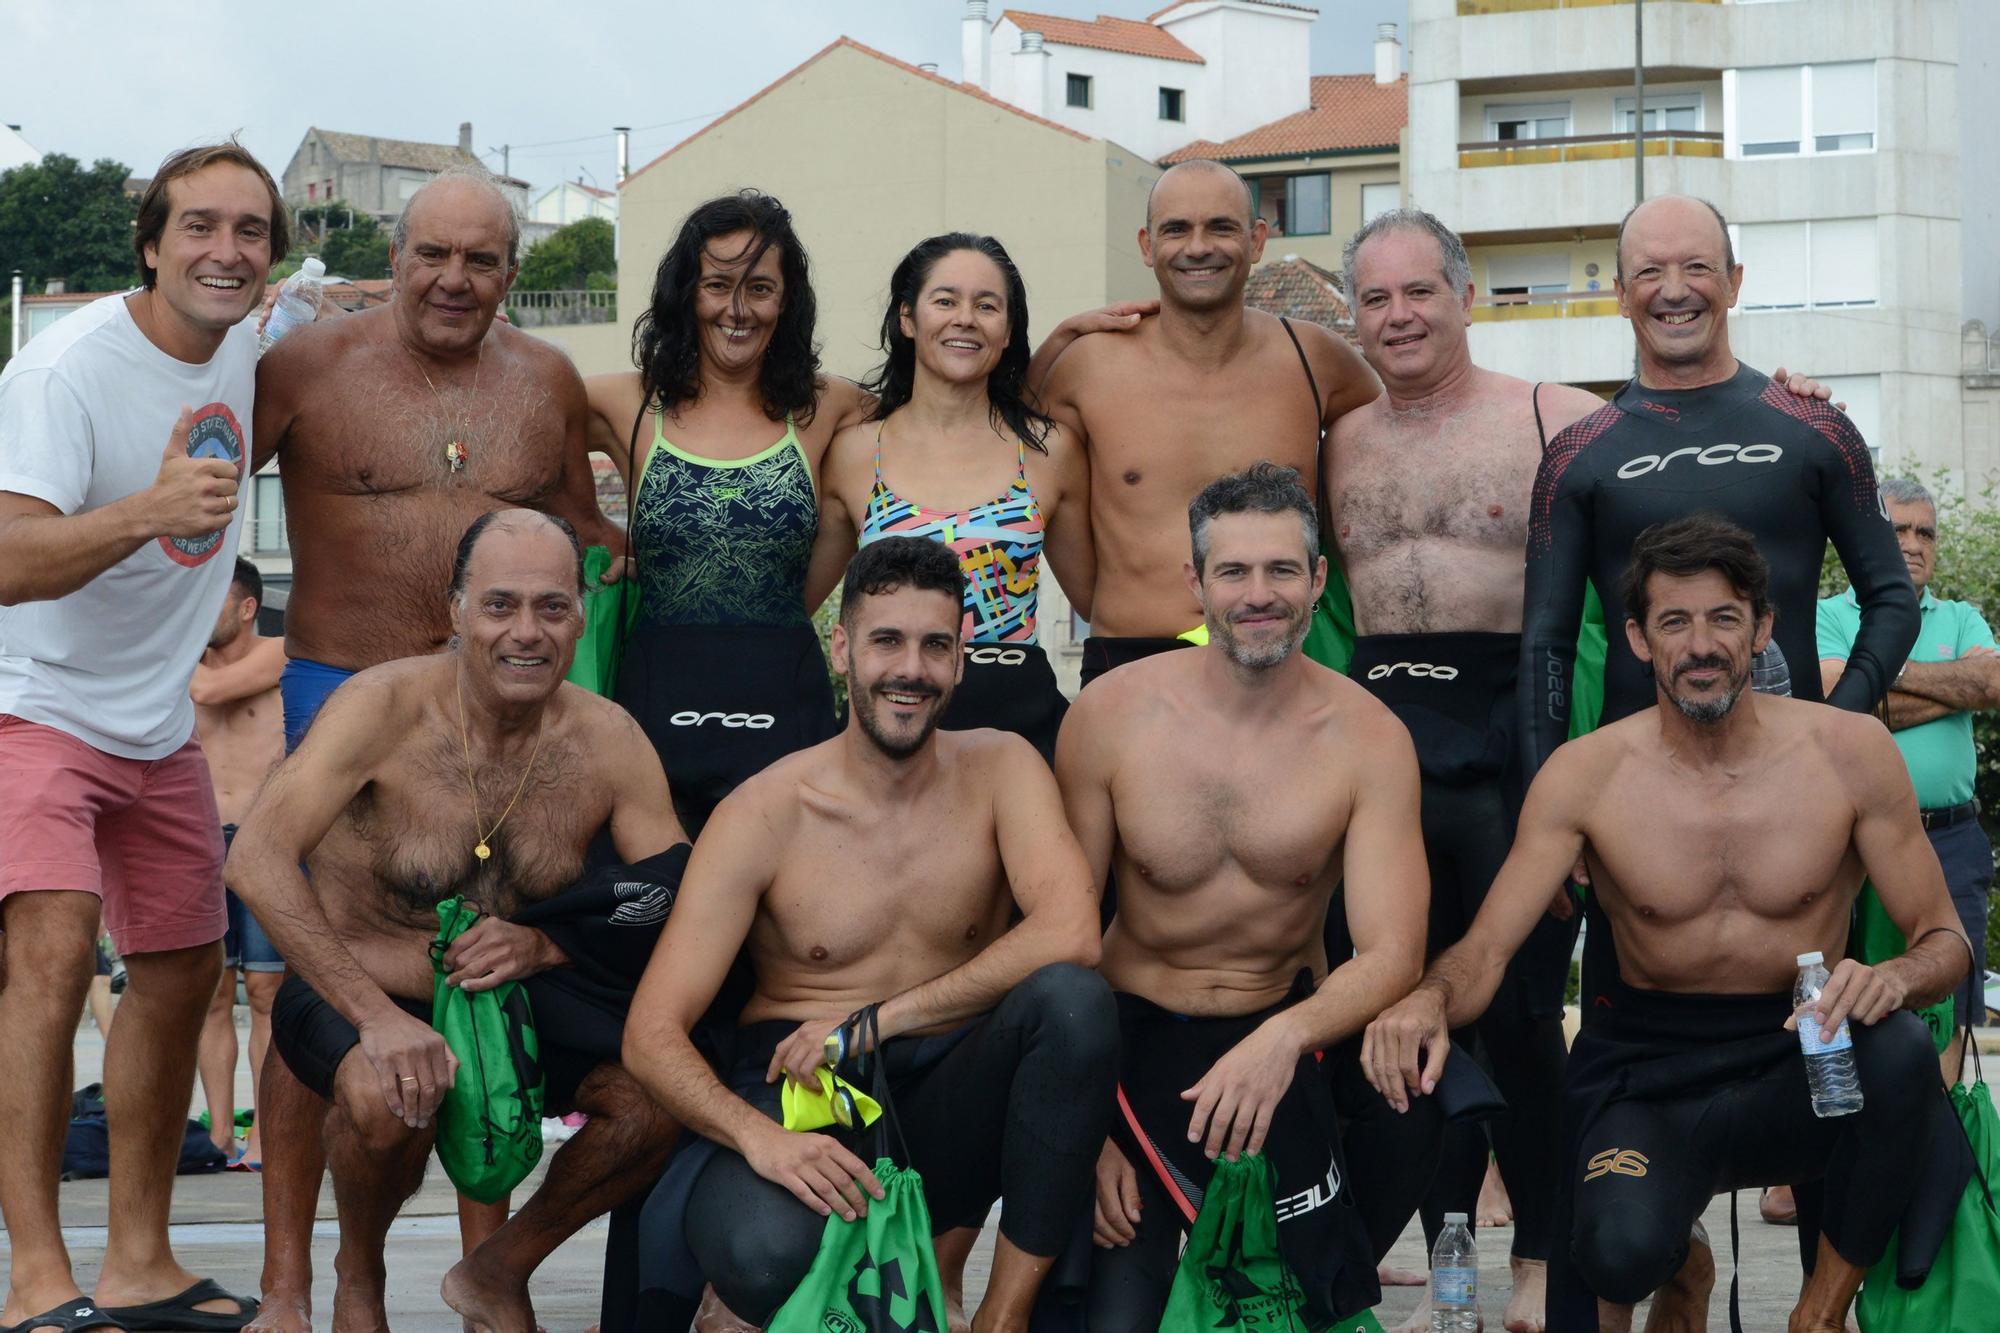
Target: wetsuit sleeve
(1557,580)
(1861,534)
(609,922)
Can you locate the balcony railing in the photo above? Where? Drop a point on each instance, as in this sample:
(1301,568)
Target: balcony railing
(531,310)
(1588,148)
(1545,305)
(1469,8)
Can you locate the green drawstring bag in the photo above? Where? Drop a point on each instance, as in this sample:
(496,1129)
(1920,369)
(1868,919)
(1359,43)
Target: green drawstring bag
(1962,1292)
(609,612)
(1232,1275)
(489,1125)
(878,1273)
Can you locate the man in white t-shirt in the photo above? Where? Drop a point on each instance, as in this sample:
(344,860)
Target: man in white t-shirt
(115,558)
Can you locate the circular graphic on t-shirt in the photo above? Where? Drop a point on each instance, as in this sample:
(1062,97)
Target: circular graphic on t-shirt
(215,434)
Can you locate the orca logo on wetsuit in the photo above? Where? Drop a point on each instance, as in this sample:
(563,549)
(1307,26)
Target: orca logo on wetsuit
(984,655)
(1320,1195)
(1714,455)
(1421,669)
(754,721)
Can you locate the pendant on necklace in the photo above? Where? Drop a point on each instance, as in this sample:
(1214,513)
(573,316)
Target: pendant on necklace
(454,454)
(482,851)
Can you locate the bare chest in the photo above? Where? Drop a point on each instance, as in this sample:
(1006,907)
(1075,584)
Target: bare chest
(1389,487)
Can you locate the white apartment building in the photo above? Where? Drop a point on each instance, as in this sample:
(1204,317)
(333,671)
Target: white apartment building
(1826,131)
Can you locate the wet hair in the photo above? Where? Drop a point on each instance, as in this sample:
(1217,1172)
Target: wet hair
(1906,491)
(470,540)
(900,562)
(399,236)
(151,223)
(666,345)
(1728,246)
(1205,164)
(1261,488)
(249,580)
(1457,268)
(1692,545)
(1006,384)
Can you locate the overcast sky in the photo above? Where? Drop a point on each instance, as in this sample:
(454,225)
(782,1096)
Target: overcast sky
(109,78)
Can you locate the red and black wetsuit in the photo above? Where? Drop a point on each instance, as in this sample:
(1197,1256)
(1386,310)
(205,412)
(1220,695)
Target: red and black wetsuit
(1794,471)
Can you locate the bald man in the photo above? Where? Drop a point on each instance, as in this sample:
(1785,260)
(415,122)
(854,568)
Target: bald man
(1209,387)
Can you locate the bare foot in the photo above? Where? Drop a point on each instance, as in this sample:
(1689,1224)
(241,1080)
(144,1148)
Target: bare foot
(282,1312)
(1777,1206)
(715,1317)
(1390,1276)
(1682,1305)
(488,1300)
(1494,1209)
(1527,1306)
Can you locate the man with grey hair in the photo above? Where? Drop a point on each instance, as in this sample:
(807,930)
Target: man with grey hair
(1208,387)
(1952,672)
(394,428)
(1226,866)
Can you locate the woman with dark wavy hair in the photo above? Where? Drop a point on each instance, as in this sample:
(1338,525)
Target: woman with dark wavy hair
(956,450)
(719,435)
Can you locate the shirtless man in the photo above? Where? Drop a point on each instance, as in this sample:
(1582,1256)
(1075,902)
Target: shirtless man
(241,724)
(1208,387)
(1726,833)
(880,870)
(1224,991)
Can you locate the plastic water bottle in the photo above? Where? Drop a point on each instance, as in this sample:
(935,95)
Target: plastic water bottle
(1770,673)
(297,304)
(1455,1279)
(1836,1084)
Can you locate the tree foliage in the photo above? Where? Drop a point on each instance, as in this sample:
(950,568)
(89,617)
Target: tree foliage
(350,241)
(573,257)
(61,220)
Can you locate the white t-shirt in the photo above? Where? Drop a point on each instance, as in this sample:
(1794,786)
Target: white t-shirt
(84,414)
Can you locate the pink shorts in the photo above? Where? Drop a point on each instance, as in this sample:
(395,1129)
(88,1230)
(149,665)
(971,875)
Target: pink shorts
(143,835)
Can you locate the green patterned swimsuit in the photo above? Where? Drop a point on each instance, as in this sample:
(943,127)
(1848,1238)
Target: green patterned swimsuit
(725,541)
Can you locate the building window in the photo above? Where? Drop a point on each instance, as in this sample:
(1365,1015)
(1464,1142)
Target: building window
(312,191)
(267,523)
(1521,276)
(1665,113)
(1173,104)
(1807,265)
(1379,199)
(1079,90)
(1537,120)
(1863,396)
(1788,110)
(1296,205)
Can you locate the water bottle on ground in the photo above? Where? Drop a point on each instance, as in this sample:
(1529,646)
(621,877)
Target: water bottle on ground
(1455,1278)
(297,304)
(1830,1071)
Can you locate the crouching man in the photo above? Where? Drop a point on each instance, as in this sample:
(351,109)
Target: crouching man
(475,773)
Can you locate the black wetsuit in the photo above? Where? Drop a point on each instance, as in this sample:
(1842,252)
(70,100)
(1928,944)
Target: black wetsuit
(1792,470)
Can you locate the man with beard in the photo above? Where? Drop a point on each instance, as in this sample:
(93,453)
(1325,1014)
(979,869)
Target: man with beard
(1231,788)
(479,774)
(880,870)
(1207,387)
(1726,833)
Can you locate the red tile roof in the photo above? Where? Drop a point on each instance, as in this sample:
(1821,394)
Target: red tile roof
(1299,289)
(1159,14)
(968,89)
(1348,111)
(1105,33)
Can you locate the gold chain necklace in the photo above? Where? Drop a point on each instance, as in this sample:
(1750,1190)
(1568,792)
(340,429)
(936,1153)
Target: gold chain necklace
(482,851)
(455,453)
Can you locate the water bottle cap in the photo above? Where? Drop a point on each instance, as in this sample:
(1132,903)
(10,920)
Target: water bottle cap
(1454,1218)
(313,267)
(1811,959)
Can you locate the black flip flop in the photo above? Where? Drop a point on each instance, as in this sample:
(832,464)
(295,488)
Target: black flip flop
(179,1312)
(68,1317)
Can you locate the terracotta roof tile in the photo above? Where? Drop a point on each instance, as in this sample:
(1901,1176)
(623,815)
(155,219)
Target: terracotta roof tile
(968,89)
(1348,111)
(1159,14)
(1105,33)
(1299,289)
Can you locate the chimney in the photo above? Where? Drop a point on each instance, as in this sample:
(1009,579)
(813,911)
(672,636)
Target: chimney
(1031,75)
(464,136)
(624,133)
(53,287)
(1388,54)
(973,44)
